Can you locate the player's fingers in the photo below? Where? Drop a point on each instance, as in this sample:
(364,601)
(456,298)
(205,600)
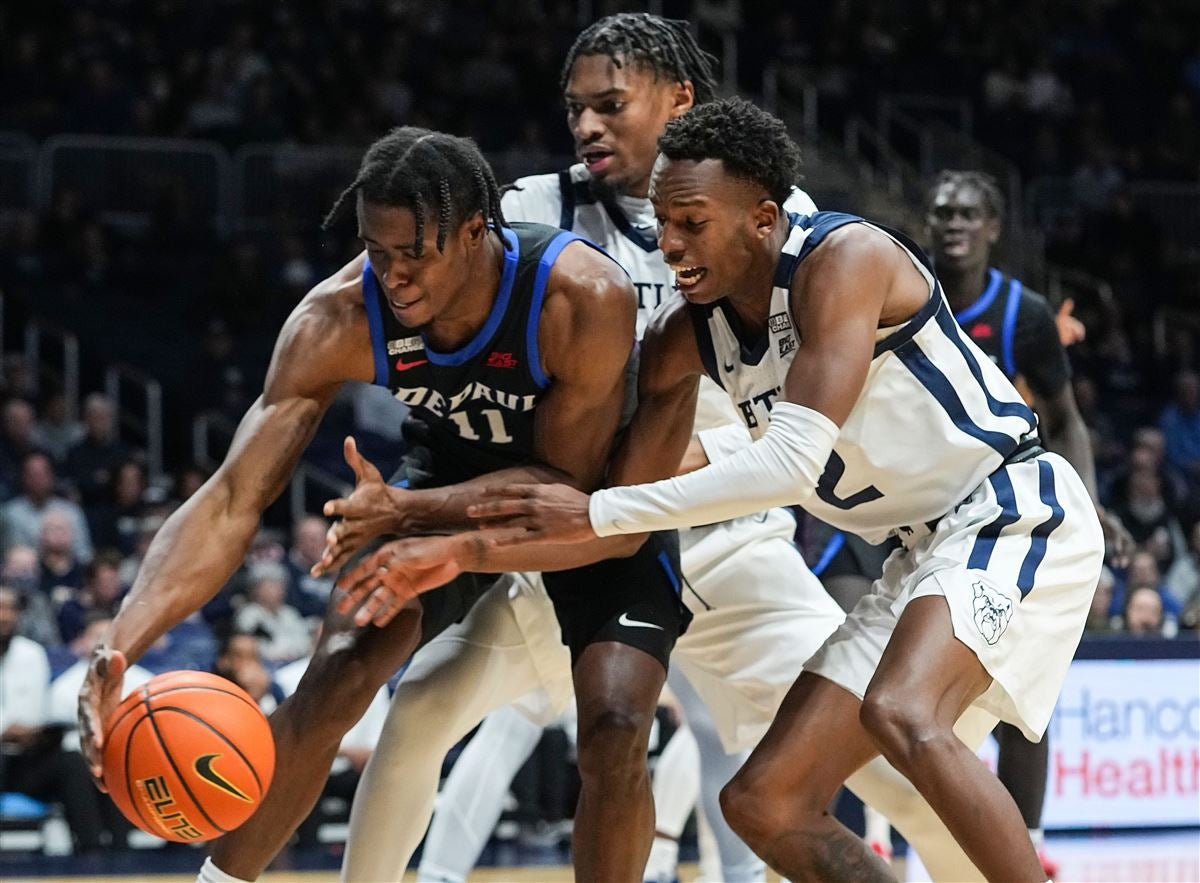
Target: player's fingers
(335,509)
(353,458)
(1067,307)
(374,603)
(510,491)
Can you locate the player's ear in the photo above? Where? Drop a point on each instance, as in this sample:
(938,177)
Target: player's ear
(683,98)
(766,217)
(992,230)
(474,229)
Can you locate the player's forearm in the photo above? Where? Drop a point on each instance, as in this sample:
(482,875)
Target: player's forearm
(1072,442)
(779,469)
(190,559)
(444,509)
(475,555)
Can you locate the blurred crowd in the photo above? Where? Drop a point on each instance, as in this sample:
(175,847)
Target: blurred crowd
(1102,93)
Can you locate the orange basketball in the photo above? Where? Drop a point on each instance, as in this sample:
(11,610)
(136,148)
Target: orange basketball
(188,756)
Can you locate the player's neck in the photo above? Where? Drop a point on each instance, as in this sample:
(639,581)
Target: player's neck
(963,286)
(469,311)
(752,300)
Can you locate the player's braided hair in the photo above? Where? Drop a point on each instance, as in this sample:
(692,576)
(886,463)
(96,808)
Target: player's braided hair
(664,45)
(433,174)
(750,142)
(989,189)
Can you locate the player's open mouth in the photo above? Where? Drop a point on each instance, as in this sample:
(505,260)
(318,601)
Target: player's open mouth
(596,159)
(688,277)
(402,306)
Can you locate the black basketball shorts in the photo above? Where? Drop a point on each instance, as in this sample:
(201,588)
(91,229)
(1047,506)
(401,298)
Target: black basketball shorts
(634,600)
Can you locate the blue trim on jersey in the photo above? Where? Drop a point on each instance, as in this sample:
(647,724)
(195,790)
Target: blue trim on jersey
(984,300)
(549,256)
(786,267)
(998,408)
(665,560)
(566,212)
(370,286)
(829,552)
(1041,533)
(401,483)
(645,241)
(897,339)
(484,335)
(940,387)
(1008,331)
(985,540)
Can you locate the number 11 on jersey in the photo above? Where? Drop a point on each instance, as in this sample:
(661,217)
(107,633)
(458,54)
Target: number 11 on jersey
(495,432)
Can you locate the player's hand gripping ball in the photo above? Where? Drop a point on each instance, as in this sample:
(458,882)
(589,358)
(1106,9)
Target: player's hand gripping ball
(188,756)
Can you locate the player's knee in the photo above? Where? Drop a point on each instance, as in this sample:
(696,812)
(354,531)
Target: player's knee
(333,694)
(758,810)
(612,749)
(901,725)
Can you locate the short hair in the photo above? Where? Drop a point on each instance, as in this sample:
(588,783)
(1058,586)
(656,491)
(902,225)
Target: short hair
(664,45)
(429,173)
(987,186)
(750,143)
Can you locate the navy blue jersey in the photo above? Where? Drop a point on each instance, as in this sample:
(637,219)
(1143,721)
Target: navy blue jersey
(1016,328)
(474,407)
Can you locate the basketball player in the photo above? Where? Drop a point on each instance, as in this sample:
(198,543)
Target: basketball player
(884,420)
(503,340)
(758,613)
(1015,327)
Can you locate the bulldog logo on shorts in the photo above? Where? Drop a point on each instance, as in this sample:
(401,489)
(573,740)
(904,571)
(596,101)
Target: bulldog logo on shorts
(992,612)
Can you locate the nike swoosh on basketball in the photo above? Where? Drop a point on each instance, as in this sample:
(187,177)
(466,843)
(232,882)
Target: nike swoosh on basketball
(204,769)
(624,619)
(404,366)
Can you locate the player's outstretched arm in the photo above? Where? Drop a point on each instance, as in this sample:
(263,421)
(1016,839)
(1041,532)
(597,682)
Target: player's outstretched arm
(858,280)
(322,344)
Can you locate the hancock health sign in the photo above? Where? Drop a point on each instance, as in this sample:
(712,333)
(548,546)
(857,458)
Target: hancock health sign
(1125,745)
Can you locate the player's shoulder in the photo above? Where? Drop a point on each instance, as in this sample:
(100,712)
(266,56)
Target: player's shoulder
(589,276)
(331,315)
(539,198)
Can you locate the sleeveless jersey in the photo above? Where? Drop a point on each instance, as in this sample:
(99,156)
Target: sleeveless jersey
(1015,327)
(934,418)
(473,407)
(625,228)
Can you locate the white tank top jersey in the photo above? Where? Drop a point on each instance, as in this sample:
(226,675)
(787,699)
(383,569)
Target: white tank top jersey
(626,229)
(935,416)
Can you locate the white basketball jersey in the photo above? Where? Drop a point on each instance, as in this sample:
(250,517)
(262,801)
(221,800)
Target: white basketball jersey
(934,418)
(626,229)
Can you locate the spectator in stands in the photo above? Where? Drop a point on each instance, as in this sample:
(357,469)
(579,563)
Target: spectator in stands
(1144,573)
(60,568)
(32,761)
(116,522)
(100,596)
(308,594)
(1180,425)
(281,632)
(353,752)
(19,439)
(1144,612)
(22,572)
(1146,515)
(21,517)
(188,480)
(92,462)
(238,660)
(1183,579)
(56,432)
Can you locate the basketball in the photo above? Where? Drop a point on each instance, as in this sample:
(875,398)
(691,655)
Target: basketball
(188,756)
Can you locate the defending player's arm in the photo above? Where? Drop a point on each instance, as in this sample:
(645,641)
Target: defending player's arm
(857,281)
(651,448)
(1041,360)
(322,344)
